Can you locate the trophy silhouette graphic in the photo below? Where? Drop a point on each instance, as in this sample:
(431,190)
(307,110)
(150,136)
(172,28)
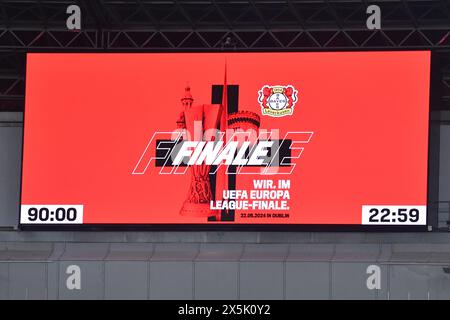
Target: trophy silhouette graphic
(196,120)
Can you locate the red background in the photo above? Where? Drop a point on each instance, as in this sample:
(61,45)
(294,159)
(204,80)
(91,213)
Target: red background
(89,117)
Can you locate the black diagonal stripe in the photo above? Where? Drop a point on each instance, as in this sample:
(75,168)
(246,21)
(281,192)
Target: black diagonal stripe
(216,98)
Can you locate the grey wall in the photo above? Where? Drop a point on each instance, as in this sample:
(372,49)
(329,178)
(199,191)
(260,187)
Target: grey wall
(10,166)
(223,271)
(444,163)
(214,265)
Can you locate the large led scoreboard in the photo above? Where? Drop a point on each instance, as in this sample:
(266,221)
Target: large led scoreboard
(226,139)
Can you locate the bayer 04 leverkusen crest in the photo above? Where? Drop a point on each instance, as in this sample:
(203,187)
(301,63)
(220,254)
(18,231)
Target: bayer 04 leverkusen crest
(277,101)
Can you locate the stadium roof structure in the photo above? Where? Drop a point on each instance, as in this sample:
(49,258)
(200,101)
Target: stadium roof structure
(215,25)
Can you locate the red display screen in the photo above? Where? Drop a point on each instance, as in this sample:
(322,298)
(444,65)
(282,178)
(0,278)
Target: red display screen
(332,138)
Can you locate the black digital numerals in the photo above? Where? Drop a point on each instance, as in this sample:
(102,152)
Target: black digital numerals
(387,216)
(59,215)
